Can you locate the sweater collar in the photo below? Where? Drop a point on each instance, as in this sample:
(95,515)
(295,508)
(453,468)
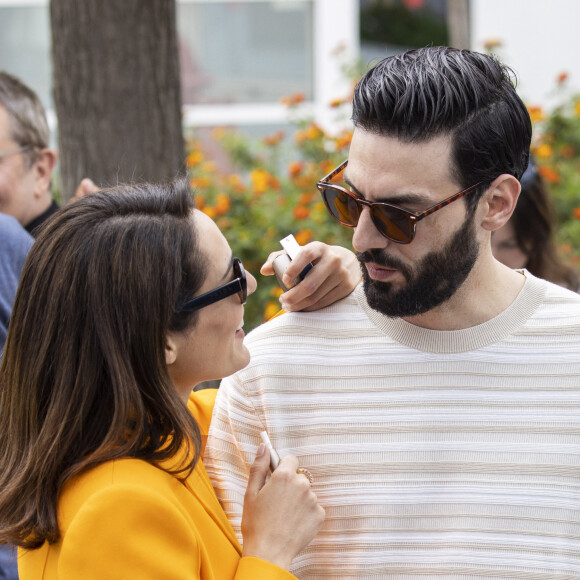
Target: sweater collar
(455,341)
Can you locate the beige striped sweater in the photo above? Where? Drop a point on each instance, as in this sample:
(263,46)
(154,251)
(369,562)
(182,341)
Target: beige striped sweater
(436,455)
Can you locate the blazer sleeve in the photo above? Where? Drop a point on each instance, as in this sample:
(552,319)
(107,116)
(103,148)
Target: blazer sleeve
(127,531)
(200,405)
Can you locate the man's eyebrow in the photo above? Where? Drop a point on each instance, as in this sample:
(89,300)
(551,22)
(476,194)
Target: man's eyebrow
(401,199)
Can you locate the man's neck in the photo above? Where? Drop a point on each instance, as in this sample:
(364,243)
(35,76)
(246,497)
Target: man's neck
(41,217)
(489,289)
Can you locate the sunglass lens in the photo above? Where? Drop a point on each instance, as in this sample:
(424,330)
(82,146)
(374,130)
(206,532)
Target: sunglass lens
(392,224)
(342,206)
(240,273)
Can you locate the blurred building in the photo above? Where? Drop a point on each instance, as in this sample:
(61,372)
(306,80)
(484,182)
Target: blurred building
(238,57)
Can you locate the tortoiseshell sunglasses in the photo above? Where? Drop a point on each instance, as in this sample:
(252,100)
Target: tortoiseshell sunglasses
(392,222)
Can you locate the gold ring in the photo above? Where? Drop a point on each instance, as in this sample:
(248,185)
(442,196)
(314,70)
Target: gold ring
(303,471)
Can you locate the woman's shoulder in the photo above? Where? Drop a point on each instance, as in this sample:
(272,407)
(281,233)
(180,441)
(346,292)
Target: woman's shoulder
(118,474)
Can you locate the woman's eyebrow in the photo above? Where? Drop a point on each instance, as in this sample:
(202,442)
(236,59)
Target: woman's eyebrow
(226,275)
(401,199)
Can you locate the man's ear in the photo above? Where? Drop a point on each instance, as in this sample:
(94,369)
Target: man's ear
(500,201)
(42,167)
(170,350)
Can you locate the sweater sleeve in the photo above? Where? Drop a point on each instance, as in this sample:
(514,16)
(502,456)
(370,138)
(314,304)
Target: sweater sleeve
(234,437)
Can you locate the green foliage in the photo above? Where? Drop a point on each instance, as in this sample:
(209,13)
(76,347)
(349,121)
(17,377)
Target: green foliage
(556,149)
(260,197)
(396,24)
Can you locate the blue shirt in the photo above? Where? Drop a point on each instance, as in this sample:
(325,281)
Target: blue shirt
(14,245)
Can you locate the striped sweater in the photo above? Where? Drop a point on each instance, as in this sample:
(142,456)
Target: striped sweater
(436,454)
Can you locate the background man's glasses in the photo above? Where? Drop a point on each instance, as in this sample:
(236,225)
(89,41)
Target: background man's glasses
(392,222)
(14,151)
(238,285)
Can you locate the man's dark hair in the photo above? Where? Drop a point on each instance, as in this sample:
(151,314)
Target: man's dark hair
(438,91)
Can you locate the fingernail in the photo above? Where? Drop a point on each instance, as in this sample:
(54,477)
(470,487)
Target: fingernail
(261,450)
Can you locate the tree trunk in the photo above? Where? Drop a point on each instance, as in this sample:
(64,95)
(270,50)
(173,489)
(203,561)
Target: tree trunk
(458,23)
(116,91)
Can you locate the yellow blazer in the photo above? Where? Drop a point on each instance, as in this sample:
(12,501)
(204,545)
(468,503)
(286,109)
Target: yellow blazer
(128,519)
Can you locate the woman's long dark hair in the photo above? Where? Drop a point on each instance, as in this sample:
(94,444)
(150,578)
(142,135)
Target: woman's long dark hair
(83,378)
(534,221)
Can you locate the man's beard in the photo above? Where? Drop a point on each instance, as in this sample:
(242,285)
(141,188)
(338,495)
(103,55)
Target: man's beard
(435,280)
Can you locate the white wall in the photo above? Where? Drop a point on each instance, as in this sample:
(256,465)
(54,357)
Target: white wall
(540,39)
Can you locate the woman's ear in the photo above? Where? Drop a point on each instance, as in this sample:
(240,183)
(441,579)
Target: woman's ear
(500,201)
(170,350)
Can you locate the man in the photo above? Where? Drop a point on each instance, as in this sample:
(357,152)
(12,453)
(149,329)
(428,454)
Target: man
(14,246)
(437,407)
(26,160)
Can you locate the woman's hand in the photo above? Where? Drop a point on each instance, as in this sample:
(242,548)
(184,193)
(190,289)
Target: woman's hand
(335,274)
(281,516)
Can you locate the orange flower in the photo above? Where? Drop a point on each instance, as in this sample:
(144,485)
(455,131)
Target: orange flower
(305,198)
(536,113)
(576,213)
(273,139)
(343,140)
(199,201)
(544,151)
(200,182)
(566,248)
(194,158)
(320,207)
(562,78)
(492,43)
(309,134)
(209,211)
(295,168)
(337,102)
(276,292)
(224,223)
(313,131)
(274,183)
(222,204)
(549,174)
(260,180)
(208,167)
(293,100)
(303,237)
(301,212)
(326,166)
(235,181)
(218,133)
(272,308)
(577,108)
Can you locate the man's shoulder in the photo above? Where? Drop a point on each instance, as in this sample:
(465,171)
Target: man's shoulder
(341,318)
(559,298)
(12,233)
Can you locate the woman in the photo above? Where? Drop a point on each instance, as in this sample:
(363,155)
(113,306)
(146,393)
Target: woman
(527,239)
(128,299)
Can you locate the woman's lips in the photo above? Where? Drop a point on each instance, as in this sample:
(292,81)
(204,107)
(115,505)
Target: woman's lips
(380,273)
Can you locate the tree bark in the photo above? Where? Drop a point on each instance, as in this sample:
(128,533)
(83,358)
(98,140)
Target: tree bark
(116,91)
(458,23)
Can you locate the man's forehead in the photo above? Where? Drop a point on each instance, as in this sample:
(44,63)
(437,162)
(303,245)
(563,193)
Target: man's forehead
(5,125)
(388,159)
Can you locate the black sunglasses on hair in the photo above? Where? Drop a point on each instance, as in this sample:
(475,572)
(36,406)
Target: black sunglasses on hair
(392,222)
(238,285)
